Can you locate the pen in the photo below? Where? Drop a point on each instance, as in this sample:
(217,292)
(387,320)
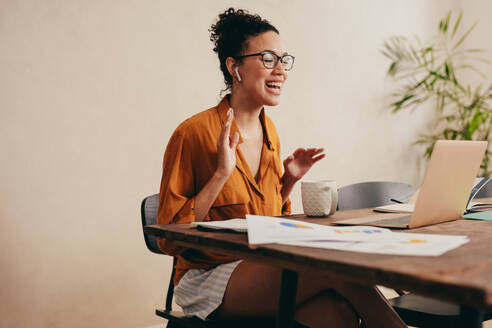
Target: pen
(396,201)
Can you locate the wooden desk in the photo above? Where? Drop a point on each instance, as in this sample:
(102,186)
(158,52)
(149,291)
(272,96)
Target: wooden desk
(463,275)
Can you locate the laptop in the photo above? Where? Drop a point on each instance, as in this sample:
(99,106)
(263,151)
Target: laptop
(444,192)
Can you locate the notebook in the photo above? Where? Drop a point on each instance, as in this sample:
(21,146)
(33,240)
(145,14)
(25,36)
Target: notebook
(238,225)
(445,190)
(470,206)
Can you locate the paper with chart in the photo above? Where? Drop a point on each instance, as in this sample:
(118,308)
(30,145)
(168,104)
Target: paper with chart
(262,229)
(265,229)
(403,244)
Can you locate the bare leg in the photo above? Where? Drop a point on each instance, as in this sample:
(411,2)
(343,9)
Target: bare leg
(331,310)
(367,299)
(253,290)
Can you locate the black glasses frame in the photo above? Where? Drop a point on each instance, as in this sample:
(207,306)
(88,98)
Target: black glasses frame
(277,58)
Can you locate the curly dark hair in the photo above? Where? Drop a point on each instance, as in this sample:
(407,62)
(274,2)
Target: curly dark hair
(230,36)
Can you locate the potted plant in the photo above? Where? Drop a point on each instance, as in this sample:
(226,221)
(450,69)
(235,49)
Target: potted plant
(432,72)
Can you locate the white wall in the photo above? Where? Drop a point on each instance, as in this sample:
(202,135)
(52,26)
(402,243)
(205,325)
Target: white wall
(479,10)
(90,92)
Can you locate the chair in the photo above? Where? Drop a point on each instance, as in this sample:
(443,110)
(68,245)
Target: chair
(373,194)
(177,319)
(415,310)
(425,312)
(486,191)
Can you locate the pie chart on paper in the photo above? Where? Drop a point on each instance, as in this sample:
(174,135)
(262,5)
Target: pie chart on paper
(295,225)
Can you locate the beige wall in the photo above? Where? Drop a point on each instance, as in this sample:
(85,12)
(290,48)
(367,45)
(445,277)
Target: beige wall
(480,37)
(90,92)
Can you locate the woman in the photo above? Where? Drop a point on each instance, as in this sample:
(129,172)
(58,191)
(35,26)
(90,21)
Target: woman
(224,163)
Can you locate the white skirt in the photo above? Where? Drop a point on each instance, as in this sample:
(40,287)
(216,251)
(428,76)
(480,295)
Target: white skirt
(200,291)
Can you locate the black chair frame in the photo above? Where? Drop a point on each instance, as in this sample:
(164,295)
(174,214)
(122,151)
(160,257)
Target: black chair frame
(177,319)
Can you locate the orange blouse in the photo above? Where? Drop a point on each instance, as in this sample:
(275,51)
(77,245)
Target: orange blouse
(190,161)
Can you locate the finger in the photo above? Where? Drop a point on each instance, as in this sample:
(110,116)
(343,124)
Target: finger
(234,140)
(317,158)
(288,160)
(318,151)
(226,129)
(310,152)
(306,154)
(313,155)
(298,151)
(314,151)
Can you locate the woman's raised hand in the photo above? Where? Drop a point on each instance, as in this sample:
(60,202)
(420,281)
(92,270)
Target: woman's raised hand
(299,163)
(226,148)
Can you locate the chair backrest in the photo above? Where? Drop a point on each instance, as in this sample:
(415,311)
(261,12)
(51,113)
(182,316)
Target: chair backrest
(373,194)
(148,211)
(486,191)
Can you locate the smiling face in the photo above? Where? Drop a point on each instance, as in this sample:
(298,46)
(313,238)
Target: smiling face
(260,85)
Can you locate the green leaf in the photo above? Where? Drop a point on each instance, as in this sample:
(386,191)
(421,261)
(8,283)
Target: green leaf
(428,151)
(392,69)
(472,127)
(443,24)
(460,41)
(474,50)
(430,72)
(398,104)
(450,134)
(386,54)
(446,70)
(433,81)
(415,55)
(441,103)
(437,75)
(457,24)
(451,74)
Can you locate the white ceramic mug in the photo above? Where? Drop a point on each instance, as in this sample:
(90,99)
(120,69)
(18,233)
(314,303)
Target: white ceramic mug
(319,198)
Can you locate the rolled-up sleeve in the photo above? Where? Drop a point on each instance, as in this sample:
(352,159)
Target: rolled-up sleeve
(177,192)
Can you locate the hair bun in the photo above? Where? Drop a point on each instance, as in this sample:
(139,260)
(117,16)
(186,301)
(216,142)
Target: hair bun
(228,24)
(231,32)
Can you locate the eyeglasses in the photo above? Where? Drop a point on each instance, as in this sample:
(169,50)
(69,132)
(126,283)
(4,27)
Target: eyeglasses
(270,59)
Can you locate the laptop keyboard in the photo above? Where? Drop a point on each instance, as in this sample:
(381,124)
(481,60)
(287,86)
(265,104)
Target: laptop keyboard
(402,220)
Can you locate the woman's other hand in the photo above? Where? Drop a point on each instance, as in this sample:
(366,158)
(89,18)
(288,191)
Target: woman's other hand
(226,148)
(299,163)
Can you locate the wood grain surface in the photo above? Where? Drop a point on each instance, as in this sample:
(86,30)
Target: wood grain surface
(462,275)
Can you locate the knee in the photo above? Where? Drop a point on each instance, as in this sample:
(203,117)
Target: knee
(328,308)
(347,313)
(343,310)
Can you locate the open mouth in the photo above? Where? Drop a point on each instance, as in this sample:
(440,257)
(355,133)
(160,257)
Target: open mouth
(274,85)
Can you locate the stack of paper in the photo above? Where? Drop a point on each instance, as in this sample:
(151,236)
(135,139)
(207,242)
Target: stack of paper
(238,225)
(409,208)
(263,229)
